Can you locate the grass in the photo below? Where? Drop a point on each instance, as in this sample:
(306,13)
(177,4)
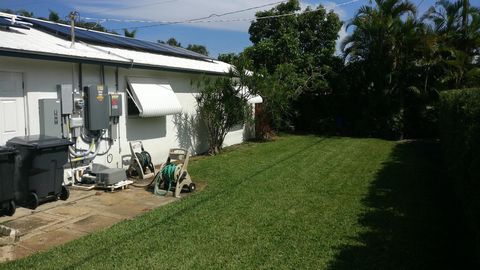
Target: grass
(301,202)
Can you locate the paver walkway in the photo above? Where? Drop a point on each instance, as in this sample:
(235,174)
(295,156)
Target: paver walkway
(56,223)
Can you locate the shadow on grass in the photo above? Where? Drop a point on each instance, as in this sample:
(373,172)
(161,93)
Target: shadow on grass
(409,221)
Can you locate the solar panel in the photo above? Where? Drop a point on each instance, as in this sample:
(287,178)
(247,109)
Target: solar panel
(112,40)
(8,23)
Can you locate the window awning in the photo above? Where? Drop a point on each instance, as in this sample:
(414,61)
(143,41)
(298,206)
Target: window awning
(251,99)
(255,99)
(153,97)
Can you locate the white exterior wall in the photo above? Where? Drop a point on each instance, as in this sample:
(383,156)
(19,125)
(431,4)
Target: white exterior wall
(41,78)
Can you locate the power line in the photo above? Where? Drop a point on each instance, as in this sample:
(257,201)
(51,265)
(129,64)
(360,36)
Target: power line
(237,11)
(419,4)
(206,19)
(243,19)
(184,21)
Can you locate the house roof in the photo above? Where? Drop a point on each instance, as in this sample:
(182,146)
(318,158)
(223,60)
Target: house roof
(39,43)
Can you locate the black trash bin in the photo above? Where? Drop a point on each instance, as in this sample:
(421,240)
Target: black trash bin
(39,168)
(7,190)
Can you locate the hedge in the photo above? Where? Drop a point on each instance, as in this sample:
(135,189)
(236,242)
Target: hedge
(460,140)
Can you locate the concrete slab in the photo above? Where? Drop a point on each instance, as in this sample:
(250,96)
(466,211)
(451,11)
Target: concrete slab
(47,240)
(20,252)
(93,223)
(59,222)
(69,210)
(28,224)
(7,253)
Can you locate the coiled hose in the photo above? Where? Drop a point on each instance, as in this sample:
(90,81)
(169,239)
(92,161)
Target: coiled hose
(145,160)
(166,175)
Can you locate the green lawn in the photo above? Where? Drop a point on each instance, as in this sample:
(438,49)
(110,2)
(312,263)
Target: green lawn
(301,202)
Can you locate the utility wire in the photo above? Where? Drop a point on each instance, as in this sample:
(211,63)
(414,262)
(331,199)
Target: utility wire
(419,4)
(206,19)
(237,11)
(214,15)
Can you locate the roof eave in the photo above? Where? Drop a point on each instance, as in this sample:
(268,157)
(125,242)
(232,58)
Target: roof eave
(85,60)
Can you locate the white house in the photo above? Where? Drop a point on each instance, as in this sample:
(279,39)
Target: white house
(154,82)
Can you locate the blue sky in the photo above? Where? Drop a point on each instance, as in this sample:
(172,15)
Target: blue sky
(219,37)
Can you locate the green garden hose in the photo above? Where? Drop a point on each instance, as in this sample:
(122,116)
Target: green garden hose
(167,174)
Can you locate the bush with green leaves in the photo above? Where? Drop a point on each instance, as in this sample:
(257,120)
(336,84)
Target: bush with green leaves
(222,105)
(460,138)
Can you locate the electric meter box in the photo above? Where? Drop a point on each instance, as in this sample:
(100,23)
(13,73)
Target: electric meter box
(96,108)
(65,93)
(115,105)
(50,117)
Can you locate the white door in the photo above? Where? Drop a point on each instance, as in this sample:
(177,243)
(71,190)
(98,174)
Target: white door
(12,106)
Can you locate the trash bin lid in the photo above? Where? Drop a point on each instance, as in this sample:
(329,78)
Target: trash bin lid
(6,150)
(39,141)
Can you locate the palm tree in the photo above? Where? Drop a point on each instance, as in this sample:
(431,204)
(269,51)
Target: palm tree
(381,42)
(457,25)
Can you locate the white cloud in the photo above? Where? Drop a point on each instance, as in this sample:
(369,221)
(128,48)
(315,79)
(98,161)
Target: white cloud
(341,35)
(180,10)
(327,5)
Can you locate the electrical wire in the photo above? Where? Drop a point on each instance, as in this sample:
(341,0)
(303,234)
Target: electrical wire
(419,4)
(184,21)
(206,19)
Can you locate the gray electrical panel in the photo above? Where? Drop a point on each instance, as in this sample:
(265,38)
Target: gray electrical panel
(65,93)
(115,105)
(96,108)
(50,117)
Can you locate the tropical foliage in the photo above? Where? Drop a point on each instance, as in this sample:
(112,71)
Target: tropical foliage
(399,62)
(222,105)
(460,138)
(386,83)
(291,55)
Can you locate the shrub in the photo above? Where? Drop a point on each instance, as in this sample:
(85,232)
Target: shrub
(460,139)
(221,106)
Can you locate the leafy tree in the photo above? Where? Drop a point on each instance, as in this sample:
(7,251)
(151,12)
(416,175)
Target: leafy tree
(21,12)
(457,27)
(277,89)
(221,106)
(303,44)
(381,43)
(25,13)
(130,34)
(93,26)
(198,49)
(230,58)
(400,62)
(173,42)
(53,16)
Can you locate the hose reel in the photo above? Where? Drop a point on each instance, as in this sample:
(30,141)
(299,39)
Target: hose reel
(174,174)
(140,161)
(145,160)
(169,175)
